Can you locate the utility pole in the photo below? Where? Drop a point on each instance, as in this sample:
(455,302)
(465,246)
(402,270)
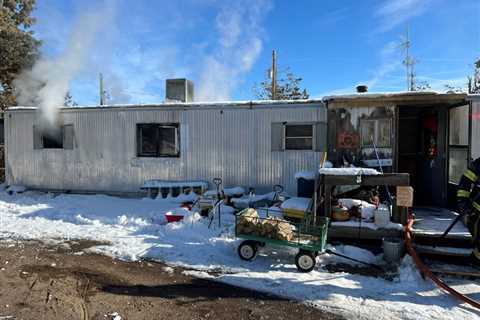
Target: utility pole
(102,91)
(409,63)
(274,75)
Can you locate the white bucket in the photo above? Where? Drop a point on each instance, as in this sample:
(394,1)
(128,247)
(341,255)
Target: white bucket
(393,249)
(382,216)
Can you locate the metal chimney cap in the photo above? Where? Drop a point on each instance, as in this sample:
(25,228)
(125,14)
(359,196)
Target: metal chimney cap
(362,88)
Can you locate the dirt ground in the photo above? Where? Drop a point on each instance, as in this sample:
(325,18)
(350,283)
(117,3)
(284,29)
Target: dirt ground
(62,282)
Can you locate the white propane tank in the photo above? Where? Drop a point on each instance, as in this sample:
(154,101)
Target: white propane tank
(382,216)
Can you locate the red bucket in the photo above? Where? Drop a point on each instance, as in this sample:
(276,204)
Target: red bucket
(173,218)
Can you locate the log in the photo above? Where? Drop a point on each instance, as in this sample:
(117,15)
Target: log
(271,227)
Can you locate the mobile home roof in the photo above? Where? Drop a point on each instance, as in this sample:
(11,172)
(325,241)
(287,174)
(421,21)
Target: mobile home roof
(188,105)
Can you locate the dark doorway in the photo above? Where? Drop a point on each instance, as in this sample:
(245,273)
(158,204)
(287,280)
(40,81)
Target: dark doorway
(422,152)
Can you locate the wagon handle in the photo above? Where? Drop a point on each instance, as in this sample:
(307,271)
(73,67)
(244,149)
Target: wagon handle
(217,181)
(277,188)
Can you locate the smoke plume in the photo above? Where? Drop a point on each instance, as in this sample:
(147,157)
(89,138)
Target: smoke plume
(238,25)
(47,83)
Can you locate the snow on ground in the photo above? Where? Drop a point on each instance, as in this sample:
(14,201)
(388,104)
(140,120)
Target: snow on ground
(136,229)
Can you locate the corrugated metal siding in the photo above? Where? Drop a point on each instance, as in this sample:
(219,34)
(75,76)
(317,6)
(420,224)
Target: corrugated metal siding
(476,128)
(230,143)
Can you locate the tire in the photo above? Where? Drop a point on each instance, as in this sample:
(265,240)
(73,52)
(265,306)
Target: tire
(305,261)
(247,250)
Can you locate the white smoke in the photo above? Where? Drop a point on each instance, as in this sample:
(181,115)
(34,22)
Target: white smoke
(47,83)
(240,43)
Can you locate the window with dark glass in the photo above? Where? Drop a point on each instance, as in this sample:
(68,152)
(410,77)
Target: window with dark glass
(52,138)
(298,137)
(158,140)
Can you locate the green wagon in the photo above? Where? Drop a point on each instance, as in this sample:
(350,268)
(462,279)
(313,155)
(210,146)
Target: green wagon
(309,239)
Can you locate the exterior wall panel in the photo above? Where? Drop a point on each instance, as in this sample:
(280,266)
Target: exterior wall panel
(476,128)
(227,142)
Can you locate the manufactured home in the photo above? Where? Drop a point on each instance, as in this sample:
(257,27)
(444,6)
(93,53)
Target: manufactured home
(256,144)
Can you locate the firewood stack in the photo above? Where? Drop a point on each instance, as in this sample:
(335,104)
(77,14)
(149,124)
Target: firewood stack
(271,227)
(249,223)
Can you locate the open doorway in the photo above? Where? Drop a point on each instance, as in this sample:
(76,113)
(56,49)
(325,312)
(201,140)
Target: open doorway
(422,152)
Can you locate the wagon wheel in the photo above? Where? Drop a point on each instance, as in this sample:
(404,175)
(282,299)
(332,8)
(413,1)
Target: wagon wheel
(305,261)
(247,250)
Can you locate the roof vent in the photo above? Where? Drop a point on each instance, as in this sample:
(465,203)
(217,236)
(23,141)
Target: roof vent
(179,90)
(362,88)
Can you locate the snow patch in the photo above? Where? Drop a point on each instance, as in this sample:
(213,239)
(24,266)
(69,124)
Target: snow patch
(16,189)
(127,225)
(367,209)
(307,175)
(349,171)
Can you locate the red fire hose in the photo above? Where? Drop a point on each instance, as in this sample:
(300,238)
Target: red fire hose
(426,272)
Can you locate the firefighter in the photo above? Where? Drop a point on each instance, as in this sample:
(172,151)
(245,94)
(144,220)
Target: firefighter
(468,197)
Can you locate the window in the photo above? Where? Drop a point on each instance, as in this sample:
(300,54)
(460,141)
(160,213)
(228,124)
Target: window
(298,137)
(376,132)
(158,140)
(52,139)
(458,143)
(61,137)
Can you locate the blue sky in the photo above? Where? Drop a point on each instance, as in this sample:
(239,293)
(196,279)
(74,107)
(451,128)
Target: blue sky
(225,46)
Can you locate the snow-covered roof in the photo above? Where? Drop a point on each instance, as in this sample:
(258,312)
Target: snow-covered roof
(394,96)
(400,95)
(183,105)
(475,96)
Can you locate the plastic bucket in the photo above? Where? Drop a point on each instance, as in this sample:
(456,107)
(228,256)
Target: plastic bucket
(173,218)
(393,249)
(382,217)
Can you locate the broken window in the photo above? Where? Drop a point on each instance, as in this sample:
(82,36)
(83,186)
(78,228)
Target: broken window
(158,140)
(376,132)
(52,139)
(61,137)
(298,137)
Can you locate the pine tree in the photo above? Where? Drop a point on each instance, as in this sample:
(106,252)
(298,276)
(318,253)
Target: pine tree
(18,47)
(68,101)
(288,88)
(474,81)
(422,86)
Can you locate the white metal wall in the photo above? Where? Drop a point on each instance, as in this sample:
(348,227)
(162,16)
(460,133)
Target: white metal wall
(476,128)
(231,142)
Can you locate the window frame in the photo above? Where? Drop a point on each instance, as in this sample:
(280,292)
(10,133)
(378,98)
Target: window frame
(66,135)
(376,135)
(312,137)
(157,126)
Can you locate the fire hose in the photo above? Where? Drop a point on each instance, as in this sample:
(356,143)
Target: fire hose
(427,273)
